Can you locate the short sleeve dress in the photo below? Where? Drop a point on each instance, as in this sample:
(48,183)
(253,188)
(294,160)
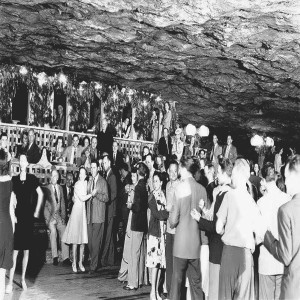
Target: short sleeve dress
(6,231)
(24,191)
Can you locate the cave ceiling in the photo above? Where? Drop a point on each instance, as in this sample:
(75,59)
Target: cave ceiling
(229,64)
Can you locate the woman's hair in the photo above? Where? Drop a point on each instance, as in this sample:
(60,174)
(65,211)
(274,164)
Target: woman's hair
(86,138)
(60,138)
(142,170)
(226,166)
(168,105)
(268,172)
(24,133)
(280,183)
(4,164)
(159,175)
(47,153)
(86,173)
(190,164)
(242,167)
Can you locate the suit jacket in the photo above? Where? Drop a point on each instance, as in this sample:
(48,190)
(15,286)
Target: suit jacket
(119,160)
(123,197)
(68,153)
(96,206)
(187,237)
(215,152)
(163,148)
(94,155)
(52,209)
(287,248)
(105,141)
(112,194)
(33,154)
(139,207)
(232,155)
(68,200)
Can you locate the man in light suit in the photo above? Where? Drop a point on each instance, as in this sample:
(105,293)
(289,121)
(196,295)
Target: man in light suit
(73,153)
(108,257)
(287,248)
(186,249)
(230,151)
(215,151)
(55,216)
(96,214)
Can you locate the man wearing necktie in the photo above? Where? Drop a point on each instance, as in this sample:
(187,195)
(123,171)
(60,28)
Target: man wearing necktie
(55,216)
(117,158)
(96,214)
(215,152)
(72,153)
(178,145)
(230,151)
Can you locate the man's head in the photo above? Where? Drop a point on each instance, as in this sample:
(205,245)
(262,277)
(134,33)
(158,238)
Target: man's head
(186,166)
(124,170)
(142,170)
(69,179)
(166,132)
(215,139)
(224,171)
(229,140)
(54,176)
(202,154)
(106,162)
(268,172)
(292,175)
(75,140)
(240,172)
(94,168)
(31,136)
(94,142)
(209,171)
(173,170)
(23,162)
(146,150)
(115,147)
(60,109)
(4,140)
(149,161)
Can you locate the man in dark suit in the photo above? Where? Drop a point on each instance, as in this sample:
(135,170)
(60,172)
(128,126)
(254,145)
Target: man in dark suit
(96,214)
(186,249)
(216,150)
(55,216)
(165,146)
(105,139)
(68,191)
(117,157)
(108,256)
(230,151)
(287,248)
(33,151)
(90,153)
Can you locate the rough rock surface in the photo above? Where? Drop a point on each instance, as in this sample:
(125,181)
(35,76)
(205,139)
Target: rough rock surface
(229,64)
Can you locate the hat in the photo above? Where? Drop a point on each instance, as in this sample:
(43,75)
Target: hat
(178,131)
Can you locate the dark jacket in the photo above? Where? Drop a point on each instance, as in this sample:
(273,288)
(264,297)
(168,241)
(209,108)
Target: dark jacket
(139,207)
(156,216)
(68,200)
(123,197)
(33,154)
(112,194)
(105,141)
(117,163)
(163,148)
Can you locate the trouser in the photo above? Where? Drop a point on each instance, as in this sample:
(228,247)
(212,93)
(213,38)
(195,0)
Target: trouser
(236,274)
(57,226)
(108,255)
(134,270)
(95,242)
(214,273)
(190,267)
(269,286)
(169,259)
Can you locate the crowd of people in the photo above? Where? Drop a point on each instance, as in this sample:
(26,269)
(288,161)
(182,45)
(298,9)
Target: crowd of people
(196,224)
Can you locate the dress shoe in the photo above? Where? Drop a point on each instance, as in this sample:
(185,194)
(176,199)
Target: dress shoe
(129,288)
(55,261)
(81,267)
(67,262)
(74,267)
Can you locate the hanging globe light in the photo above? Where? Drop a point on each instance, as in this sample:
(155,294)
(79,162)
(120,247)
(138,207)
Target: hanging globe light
(203,131)
(257,141)
(190,130)
(269,142)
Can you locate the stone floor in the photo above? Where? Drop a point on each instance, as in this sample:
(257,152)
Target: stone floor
(54,283)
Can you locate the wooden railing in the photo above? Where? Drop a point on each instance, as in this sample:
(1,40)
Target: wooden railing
(47,137)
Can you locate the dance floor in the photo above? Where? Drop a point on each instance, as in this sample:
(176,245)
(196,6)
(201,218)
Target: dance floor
(60,283)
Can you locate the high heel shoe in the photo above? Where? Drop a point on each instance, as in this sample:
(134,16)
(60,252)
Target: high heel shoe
(8,289)
(74,268)
(24,285)
(81,267)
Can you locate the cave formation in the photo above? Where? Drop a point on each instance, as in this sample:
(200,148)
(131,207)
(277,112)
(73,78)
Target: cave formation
(231,65)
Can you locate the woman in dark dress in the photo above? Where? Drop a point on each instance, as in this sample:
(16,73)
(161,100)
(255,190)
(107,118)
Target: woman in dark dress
(6,220)
(24,187)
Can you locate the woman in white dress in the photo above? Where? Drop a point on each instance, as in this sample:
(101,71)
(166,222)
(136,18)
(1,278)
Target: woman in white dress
(76,230)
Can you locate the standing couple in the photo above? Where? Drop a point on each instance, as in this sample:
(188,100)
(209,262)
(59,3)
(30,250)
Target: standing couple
(83,227)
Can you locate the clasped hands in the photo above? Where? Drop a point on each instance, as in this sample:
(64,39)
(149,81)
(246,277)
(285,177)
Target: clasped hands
(196,214)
